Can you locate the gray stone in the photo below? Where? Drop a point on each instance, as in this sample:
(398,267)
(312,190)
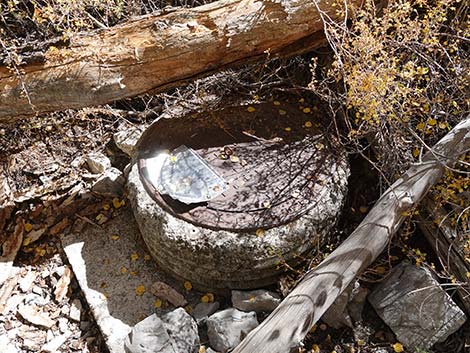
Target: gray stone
(347,308)
(98,163)
(174,333)
(415,307)
(238,260)
(182,330)
(126,140)
(110,183)
(259,300)
(227,328)
(149,336)
(203,310)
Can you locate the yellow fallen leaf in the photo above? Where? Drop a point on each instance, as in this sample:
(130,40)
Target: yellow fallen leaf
(432,122)
(416,152)
(115,237)
(117,203)
(398,347)
(306,110)
(205,299)
(28,227)
(158,303)
(360,342)
(188,286)
(140,290)
(134,256)
(380,270)
(315,348)
(250,109)
(133,273)
(123,269)
(252,298)
(26,241)
(313,329)
(277,103)
(287,129)
(308,124)
(211,297)
(363,209)
(282,112)
(420,126)
(106,206)
(147,257)
(260,232)
(442,125)
(301,100)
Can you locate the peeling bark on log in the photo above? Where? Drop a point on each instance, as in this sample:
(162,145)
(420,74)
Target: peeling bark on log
(304,306)
(157,52)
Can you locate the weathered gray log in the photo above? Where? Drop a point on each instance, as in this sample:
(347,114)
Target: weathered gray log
(157,52)
(291,321)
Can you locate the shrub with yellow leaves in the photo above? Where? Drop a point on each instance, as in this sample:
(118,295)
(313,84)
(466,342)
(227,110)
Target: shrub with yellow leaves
(401,73)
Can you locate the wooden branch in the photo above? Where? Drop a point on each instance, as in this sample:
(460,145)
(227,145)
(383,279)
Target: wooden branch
(444,240)
(291,321)
(157,52)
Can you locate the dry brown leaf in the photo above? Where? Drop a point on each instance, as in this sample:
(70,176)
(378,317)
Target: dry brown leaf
(59,227)
(32,314)
(62,285)
(164,291)
(5,291)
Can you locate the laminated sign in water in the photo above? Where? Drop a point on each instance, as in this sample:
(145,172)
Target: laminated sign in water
(185,176)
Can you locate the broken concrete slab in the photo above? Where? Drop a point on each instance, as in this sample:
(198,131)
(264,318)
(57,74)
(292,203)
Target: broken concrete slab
(415,307)
(259,300)
(227,328)
(116,274)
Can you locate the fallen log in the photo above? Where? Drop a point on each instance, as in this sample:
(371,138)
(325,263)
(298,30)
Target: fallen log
(304,306)
(447,244)
(156,52)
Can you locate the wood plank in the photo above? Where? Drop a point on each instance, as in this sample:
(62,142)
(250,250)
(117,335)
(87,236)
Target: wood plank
(304,306)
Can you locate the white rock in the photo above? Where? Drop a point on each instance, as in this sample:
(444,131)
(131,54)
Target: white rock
(182,330)
(75,310)
(54,344)
(110,183)
(98,163)
(175,332)
(5,345)
(412,303)
(227,328)
(126,140)
(260,300)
